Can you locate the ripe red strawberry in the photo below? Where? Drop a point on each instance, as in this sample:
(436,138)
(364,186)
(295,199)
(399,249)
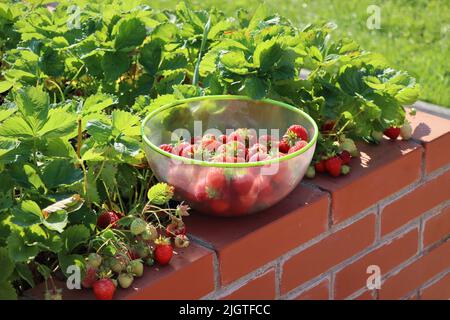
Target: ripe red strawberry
(245,136)
(392,133)
(298,146)
(188,152)
(269,141)
(219,206)
(107,218)
(163,251)
(215,179)
(104,289)
(345,157)
(256,148)
(178,149)
(284,146)
(242,182)
(320,166)
(333,166)
(299,131)
(200,193)
(166,147)
(89,277)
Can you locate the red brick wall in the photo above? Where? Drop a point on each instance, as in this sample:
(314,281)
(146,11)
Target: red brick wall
(392,210)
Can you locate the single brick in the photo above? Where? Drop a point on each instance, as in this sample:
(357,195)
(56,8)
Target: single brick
(246,243)
(260,288)
(417,273)
(325,254)
(415,203)
(440,290)
(317,292)
(380,171)
(434,133)
(366,295)
(437,227)
(354,276)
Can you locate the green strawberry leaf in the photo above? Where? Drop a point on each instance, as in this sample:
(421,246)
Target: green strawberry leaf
(7,291)
(60,172)
(19,250)
(129,33)
(7,265)
(74,236)
(26,213)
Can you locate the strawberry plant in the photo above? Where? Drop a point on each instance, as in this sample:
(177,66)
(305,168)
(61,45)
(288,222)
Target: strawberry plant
(76,81)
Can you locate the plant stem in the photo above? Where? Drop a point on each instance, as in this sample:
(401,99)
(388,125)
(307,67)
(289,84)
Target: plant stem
(195,79)
(79,138)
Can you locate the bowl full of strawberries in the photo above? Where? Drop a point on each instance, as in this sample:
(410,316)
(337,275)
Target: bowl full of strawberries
(229,155)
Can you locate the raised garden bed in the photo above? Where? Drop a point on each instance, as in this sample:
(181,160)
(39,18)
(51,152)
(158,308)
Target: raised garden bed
(78,194)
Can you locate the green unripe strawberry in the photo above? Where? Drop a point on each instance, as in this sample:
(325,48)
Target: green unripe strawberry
(377,136)
(125,280)
(345,169)
(406,131)
(142,250)
(310,172)
(150,233)
(94,260)
(137,268)
(350,146)
(138,226)
(118,265)
(150,262)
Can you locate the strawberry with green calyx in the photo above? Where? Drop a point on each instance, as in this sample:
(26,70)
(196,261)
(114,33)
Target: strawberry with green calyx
(406,131)
(284,145)
(163,251)
(125,280)
(136,267)
(345,169)
(333,166)
(299,131)
(181,241)
(392,133)
(138,226)
(160,193)
(94,260)
(104,289)
(310,172)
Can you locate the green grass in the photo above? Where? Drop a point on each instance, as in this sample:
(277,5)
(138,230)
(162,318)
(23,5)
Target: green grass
(414,34)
